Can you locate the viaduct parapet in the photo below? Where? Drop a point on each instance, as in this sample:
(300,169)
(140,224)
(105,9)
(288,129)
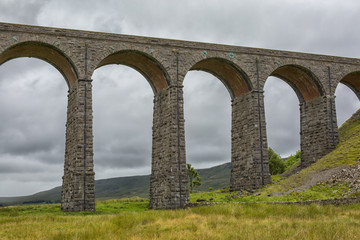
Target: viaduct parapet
(164,63)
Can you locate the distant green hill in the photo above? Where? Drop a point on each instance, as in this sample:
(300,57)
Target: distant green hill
(216,177)
(124,187)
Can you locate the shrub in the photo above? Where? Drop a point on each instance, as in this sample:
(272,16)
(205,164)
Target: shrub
(292,159)
(276,164)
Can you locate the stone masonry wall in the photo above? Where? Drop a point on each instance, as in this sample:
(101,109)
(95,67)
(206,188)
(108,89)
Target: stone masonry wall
(318,137)
(78,192)
(165,181)
(247,172)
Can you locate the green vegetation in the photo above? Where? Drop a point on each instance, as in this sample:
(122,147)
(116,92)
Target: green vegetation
(276,164)
(347,153)
(117,220)
(102,207)
(292,159)
(193,176)
(316,192)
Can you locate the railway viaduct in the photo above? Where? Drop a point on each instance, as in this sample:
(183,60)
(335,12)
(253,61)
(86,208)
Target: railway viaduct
(164,63)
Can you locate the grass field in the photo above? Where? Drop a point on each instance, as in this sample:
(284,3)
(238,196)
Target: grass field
(131,219)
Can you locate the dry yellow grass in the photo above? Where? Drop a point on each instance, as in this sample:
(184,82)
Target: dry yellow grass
(228,221)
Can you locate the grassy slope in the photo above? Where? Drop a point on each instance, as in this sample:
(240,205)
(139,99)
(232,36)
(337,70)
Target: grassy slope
(347,152)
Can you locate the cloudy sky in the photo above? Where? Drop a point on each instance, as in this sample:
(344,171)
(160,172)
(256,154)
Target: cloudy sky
(33,95)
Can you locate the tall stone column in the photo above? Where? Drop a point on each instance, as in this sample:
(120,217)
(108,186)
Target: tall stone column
(168,183)
(249,154)
(78,189)
(318,129)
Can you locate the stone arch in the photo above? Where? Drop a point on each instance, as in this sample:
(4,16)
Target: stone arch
(305,84)
(45,52)
(352,80)
(233,77)
(149,67)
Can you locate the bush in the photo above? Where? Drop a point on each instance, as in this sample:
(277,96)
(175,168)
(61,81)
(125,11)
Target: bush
(276,164)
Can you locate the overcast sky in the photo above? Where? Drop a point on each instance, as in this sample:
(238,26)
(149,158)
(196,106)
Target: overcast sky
(33,94)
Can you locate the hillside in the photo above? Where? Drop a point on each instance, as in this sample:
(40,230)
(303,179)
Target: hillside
(340,168)
(124,187)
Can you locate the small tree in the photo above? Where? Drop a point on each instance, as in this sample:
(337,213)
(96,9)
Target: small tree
(276,164)
(194,178)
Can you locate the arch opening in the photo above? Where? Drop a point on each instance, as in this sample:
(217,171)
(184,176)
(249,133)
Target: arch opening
(346,102)
(33,100)
(144,64)
(235,80)
(282,116)
(352,81)
(302,80)
(44,52)
(207,112)
(122,124)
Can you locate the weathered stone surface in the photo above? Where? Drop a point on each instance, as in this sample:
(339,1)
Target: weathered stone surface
(249,156)
(164,63)
(168,182)
(318,129)
(78,192)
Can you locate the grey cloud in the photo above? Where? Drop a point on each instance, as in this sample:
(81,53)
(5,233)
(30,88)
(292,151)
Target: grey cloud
(346,103)
(208,154)
(124,157)
(282,115)
(18,168)
(12,165)
(33,106)
(207,120)
(21,11)
(122,129)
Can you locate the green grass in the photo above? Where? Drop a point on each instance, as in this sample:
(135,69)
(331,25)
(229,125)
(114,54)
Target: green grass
(102,207)
(316,192)
(228,221)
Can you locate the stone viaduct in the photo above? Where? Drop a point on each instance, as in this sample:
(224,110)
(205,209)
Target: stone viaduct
(164,63)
